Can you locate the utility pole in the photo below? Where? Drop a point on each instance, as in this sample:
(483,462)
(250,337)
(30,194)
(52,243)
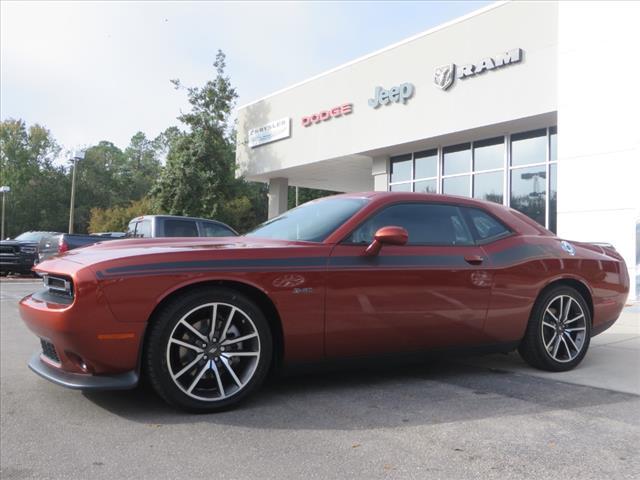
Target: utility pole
(76,157)
(4,189)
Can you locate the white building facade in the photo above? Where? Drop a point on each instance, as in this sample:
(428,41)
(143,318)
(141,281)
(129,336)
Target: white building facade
(530,104)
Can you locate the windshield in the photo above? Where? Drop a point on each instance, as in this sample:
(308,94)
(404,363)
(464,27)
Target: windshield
(311,222)
(31,236)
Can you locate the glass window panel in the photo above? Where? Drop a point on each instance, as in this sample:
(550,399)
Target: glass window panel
(488,154)
(401,168)
(529,147)
(489,186)
(427,224)
(403,187)
(487,227)
(457,159)
(426,186)
(180,228)
(457,185)
(528,191)
(553,144)
(553,197)
(426,164)
(144,229)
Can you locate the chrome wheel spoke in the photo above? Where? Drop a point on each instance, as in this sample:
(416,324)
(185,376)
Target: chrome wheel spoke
(556,347)
(193,330)
(567,336)
(240,339)
(577,329)
(188,367)
(214,314)
(186,345)
(240,354)
(548,345)
(197,379)
(547,324)
(223,335)
(226,363)
(552,315)
(214,367)
(567,322)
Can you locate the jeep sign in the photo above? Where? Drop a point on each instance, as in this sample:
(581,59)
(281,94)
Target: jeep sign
(398,94)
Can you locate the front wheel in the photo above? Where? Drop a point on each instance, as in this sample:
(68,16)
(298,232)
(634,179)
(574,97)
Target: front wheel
(208,349)
(559,331)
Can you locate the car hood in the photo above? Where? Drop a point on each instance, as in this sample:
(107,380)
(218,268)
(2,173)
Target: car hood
(140,250)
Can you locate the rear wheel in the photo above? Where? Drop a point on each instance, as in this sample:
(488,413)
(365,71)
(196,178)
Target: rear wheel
(559,331)
(208,350)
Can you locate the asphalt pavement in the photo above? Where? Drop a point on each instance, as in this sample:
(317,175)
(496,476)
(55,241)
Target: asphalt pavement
(485,417)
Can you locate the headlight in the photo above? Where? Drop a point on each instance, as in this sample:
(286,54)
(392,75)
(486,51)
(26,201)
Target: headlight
(28,249)
(58,285)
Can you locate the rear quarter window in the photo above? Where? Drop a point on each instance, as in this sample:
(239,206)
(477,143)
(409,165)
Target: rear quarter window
(486,227)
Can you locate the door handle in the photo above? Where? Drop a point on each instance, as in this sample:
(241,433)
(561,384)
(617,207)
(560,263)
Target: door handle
(474,259)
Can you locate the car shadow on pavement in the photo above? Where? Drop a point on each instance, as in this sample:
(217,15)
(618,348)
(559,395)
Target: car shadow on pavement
(440,391)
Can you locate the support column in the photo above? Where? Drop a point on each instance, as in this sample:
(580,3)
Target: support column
(380,172)
(278,195)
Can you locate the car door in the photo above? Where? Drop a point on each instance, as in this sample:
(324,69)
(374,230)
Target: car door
(432,292)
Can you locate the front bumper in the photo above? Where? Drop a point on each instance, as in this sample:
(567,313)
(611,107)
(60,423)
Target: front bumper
(87,347)
(80,381)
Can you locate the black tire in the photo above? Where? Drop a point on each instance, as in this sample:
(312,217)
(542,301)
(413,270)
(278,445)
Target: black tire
(532,348)
(165,324)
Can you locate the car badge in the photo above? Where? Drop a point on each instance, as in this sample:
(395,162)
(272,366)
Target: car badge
(443,75)
(567,247)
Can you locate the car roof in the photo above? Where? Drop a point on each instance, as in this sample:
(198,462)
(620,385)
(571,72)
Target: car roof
(512,218)
(179,217)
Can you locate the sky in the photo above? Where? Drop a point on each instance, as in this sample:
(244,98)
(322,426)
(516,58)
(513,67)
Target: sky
(92,71)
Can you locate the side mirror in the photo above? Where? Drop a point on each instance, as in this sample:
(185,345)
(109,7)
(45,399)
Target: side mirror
(387,236)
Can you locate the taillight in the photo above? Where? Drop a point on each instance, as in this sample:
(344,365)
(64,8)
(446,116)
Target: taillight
(62,246)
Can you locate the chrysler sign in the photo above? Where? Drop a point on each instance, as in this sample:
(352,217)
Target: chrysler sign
(276,130)
(444,75)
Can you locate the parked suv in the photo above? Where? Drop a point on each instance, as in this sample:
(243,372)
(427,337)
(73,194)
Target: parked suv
(149,226)
(21,253)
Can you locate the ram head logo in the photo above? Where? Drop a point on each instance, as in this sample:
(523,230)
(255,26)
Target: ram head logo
(443,75)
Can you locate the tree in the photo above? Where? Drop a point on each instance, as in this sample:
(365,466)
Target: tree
(116,219)
(199,175)
(38,187)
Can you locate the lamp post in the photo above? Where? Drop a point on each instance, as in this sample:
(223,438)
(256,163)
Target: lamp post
(4,189)
(78,155)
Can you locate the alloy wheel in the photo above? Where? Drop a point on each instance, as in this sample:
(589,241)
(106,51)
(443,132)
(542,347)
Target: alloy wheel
(213,351)
(563,328)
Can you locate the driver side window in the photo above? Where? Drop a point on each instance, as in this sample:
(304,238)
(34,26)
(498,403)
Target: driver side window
(427,224)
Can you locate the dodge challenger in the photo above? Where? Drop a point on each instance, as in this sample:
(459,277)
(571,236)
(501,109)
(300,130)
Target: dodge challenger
(355,275)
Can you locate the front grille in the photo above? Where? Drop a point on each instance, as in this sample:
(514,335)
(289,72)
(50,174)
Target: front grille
(49,351)
(7,249)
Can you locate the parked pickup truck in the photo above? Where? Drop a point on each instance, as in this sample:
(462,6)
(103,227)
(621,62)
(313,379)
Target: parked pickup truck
(147,226)
(21,253)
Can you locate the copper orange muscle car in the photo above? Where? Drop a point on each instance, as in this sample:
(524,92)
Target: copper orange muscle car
(346,276)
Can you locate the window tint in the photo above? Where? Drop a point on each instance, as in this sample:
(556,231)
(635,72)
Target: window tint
(427,224)
(210,229)
(180,228)
(144,229)
(486,226)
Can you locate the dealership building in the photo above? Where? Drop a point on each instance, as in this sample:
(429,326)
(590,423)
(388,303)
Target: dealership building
(534,105)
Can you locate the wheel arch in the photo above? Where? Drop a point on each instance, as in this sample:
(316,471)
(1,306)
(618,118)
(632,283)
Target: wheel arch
(578,284)
(262,300)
